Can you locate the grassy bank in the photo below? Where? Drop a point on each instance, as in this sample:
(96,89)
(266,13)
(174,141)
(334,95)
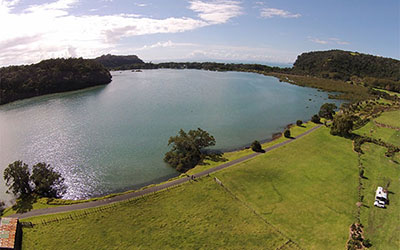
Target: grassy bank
(194,215)
(230,156)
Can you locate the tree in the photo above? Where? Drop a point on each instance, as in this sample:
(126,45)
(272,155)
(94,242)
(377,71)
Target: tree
(287,133)
(315,119)
(327,110)
(256,146)
(48,182)
(342,125)
(188,149)
(16,177)
(299,123)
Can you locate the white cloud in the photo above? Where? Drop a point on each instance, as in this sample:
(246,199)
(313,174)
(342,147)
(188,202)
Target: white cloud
(50,30)
(217,11)
(272,12)
(333,40)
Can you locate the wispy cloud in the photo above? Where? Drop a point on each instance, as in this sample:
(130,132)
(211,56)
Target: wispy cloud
(332,40)
(166,44)
(169,50)
(217,11)
(272,12)
(141,4)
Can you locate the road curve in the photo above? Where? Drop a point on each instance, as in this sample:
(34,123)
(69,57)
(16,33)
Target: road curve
(67,208)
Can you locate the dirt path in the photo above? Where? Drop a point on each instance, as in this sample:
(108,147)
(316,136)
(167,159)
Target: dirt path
(53,210)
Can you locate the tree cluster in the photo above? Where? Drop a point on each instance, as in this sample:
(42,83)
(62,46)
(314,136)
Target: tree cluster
(188,149)
(342,125)
(44,181)
(50,76)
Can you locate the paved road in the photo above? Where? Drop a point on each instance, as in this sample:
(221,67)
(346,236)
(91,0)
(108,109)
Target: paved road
(128,196)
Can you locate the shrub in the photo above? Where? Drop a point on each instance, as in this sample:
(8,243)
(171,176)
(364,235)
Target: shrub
(256,146)
(287,133)
(315,119)
(299,123)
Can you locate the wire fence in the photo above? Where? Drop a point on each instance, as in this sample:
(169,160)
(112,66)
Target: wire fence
(79,214)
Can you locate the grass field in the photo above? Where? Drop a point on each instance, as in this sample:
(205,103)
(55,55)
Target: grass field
(382,226)
(389,135)
(197,215)
(307,189)
(391,118)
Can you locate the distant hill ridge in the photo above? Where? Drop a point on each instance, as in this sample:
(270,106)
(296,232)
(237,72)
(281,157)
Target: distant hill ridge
(113,61)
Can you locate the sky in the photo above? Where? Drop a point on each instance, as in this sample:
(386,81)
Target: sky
(274,31)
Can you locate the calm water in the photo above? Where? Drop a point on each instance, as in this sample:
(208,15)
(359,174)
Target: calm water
(113,138)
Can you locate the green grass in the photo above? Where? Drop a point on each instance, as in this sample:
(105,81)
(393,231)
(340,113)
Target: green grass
(382,226)
(391,118)
(197,215)
(230,156)
(385,134)
(308,188)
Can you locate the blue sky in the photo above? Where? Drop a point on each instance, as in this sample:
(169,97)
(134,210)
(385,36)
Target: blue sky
(196,30)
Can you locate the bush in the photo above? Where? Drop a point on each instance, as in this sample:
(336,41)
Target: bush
(315,119)
(299,123)
(256,146)
(287,133)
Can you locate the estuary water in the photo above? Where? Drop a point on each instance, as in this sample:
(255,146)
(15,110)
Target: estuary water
(113,138)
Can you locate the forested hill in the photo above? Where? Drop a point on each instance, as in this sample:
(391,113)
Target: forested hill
(346,65)
(50,76)
(113,61)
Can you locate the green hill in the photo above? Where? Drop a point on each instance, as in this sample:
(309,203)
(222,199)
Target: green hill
(50,76)
(350,66)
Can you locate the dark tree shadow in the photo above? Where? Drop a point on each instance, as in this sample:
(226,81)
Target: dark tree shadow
(260,151)
(214,156)
(24,204)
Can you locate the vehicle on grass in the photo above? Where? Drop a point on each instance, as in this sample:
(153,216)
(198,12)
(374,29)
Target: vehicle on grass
(381,197)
